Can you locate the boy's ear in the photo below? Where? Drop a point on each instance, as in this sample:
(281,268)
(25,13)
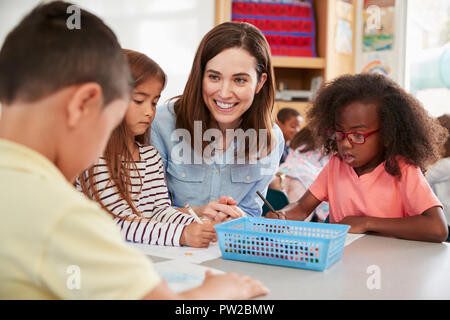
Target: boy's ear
(86,99)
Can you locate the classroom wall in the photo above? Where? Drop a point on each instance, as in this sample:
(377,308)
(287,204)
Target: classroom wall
(384,55)
(167,31)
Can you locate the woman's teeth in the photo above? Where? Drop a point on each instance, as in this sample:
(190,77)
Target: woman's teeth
(225,105)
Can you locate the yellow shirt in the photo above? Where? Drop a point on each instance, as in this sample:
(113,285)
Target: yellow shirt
(57,244)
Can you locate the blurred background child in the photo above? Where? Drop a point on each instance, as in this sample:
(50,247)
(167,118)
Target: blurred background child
(302,166)
(438,174)
(290,121)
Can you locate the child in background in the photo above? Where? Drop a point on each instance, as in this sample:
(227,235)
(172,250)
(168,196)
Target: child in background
(301,168)
(62,93)
(380,139)
(290,122)
(135,193)
(438,175)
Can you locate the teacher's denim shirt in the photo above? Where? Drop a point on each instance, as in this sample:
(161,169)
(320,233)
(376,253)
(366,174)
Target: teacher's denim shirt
(197,182)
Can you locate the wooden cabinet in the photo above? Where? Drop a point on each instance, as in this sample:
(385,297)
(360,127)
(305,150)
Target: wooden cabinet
(296,72)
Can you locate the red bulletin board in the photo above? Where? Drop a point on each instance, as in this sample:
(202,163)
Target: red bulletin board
(289,27)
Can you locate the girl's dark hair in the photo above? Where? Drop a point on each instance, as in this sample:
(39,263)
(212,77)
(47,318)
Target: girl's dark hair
(286,113)
(444,120)
(405,126)
(305,138)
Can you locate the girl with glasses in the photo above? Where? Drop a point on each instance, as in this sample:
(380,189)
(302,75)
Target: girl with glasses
(380,140)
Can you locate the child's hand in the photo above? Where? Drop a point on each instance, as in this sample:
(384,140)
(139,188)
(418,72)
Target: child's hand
(357,224)
(278,215)
(198,235)
(232,286)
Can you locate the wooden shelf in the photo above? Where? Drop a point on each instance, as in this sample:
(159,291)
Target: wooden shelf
(293,104)
(300,106)
(298,62)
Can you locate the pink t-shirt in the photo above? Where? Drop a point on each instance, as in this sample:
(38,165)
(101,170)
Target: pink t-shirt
(375,194)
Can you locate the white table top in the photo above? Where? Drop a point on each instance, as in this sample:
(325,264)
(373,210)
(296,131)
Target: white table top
(406,269)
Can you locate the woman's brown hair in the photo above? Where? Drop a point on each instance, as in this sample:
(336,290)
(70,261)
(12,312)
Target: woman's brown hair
(118,157)
(191,107)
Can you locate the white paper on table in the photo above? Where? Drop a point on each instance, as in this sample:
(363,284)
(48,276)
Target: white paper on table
(186,254)
(181,275)
(352,237)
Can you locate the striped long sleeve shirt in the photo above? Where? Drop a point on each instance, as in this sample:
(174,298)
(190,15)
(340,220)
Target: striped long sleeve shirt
(164,224)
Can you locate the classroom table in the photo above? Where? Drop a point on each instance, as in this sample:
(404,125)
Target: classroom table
(373,267)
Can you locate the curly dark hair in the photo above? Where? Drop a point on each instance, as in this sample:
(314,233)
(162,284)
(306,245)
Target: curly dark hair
(444,120)
(405,126)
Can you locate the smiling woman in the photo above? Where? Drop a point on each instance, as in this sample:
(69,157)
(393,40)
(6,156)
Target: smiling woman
(229,95)
(229,90)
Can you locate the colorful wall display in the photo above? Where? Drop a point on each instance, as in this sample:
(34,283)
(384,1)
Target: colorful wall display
(289,25)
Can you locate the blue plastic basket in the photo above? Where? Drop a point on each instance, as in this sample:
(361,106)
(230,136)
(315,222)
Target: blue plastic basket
(298,244)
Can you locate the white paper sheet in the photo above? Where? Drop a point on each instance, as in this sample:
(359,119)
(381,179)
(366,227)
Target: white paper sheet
(181,275)
(352,237)
(186,254)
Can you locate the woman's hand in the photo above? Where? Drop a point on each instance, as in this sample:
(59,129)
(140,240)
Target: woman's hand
(220,210)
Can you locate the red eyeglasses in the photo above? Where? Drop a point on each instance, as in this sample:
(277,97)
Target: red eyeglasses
(352,137)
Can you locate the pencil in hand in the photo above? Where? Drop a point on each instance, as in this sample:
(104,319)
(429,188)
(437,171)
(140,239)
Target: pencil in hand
(193,214)
(267,204)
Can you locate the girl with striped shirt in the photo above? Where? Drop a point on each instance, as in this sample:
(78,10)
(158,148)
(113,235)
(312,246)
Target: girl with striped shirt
(128,181)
